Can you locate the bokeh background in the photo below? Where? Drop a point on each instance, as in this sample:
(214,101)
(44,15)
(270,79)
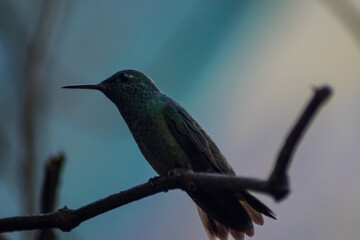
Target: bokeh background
(243,69)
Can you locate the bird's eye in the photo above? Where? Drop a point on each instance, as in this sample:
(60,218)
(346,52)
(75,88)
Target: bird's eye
(125,77)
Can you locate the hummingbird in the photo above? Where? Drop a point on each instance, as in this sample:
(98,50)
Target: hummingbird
(169,138)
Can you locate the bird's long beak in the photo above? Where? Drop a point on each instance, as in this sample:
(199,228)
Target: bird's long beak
(99,87)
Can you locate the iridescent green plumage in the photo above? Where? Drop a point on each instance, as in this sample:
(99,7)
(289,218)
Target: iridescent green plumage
(169,138)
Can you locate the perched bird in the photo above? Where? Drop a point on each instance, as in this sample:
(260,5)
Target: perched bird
(169,137)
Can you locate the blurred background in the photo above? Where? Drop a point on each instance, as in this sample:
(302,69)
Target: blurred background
(243,69)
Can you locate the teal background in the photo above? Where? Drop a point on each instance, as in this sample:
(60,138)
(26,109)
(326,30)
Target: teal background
(243,69)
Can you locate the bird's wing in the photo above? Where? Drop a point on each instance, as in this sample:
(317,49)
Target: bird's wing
(204,155)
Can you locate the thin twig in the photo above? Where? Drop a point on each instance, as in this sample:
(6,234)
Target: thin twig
(276,185)
(52,171)
(49,192)
(279,175)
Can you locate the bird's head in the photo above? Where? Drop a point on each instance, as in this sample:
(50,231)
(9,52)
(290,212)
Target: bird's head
(124,88)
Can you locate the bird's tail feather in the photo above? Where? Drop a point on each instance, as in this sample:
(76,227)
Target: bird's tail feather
(255,204)
(213,228)
(216,230)
(254,215)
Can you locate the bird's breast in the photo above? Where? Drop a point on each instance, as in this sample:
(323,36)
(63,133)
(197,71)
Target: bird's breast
(158,145)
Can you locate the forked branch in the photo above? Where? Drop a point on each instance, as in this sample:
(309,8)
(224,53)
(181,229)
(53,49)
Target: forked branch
(277,185)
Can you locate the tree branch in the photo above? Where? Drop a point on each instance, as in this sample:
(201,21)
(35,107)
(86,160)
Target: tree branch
(277,185)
